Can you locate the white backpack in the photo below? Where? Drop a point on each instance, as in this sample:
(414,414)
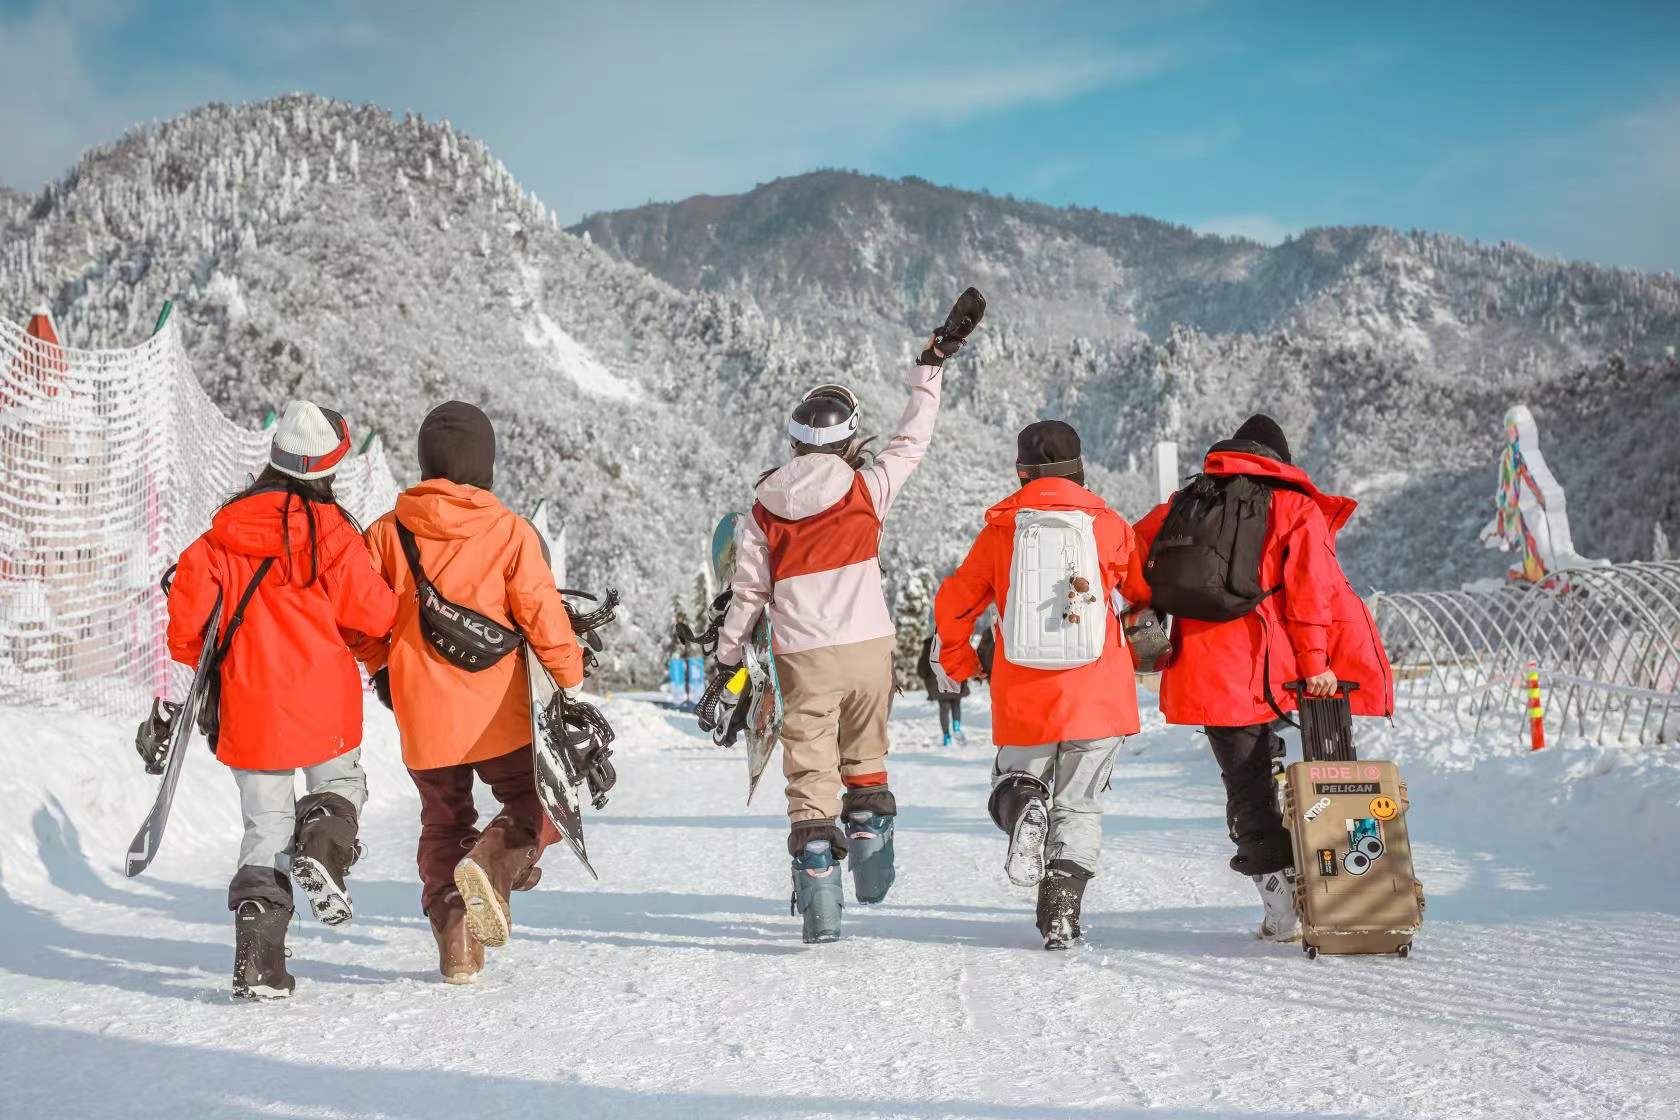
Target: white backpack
(1057,615)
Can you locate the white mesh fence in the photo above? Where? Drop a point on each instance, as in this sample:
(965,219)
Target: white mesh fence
(111,462)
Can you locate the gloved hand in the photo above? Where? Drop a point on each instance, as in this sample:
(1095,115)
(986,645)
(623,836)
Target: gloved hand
(574,694)
(965,315)
(381,682)
(710,708)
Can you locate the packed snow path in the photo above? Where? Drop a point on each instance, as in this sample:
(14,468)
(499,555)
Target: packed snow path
(1546,981)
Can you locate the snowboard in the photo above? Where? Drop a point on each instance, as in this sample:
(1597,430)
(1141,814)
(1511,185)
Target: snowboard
(765,710)
(557,782)
(144,846)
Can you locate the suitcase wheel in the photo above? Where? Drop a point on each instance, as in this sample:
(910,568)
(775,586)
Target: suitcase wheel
(1404,951)
(1312,952)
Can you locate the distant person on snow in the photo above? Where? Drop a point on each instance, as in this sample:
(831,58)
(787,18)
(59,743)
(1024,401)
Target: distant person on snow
(286,559)
(458,724)
(809,555)
(950,702)
(1244,559)
(1051,558)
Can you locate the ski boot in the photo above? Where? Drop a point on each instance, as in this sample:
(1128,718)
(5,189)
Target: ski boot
(259,951)
(867,815)
(1059,896)
(957,733)
(947,743)
(817,895)
(1020,805)
(1277,894)
(324,848)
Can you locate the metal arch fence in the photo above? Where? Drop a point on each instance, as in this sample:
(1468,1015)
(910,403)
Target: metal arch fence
(1606,640)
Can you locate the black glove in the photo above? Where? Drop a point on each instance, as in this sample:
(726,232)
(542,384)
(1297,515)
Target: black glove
(381,682)
(708,708)
(965,315)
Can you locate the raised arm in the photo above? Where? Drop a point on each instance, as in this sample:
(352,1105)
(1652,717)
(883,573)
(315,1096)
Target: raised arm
(909,444)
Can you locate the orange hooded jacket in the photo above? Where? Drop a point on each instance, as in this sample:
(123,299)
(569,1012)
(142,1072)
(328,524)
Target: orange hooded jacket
(1031,707)
(291,695)
(1221,672)
(481,555)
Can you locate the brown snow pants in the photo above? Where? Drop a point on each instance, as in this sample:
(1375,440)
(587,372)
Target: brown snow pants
(835,703)
(449,819)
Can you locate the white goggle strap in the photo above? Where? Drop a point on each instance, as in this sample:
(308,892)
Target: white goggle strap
(822,437)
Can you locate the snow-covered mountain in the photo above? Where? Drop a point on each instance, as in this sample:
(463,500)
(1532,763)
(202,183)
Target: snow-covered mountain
(639,377)
(1391,356)
(385,264)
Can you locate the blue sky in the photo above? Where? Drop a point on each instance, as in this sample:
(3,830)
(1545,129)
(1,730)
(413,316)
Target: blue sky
(1555,125)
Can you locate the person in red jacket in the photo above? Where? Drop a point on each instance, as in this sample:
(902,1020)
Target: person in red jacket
(290,692)
(1232,677)
(1058,716)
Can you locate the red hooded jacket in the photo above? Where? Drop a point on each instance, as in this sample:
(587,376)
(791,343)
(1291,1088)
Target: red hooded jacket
(1317,621)
(1031,707)
(291,692)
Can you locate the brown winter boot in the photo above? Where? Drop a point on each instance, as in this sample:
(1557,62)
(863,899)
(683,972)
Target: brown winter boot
(503,856)
(460,956)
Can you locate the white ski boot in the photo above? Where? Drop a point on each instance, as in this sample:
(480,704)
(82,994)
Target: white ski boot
(1277,894)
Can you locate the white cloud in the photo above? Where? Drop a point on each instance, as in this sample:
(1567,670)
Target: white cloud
(1255,227)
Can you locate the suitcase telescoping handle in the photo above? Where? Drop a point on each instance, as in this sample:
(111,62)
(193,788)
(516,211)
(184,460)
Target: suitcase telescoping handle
(1326,723)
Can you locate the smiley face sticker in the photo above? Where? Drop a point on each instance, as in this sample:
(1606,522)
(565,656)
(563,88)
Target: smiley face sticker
(1384,808)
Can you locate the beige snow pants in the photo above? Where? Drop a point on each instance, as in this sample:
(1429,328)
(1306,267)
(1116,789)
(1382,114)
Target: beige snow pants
(835,703)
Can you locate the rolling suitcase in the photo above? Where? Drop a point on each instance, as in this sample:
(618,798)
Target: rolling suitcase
(1355,888)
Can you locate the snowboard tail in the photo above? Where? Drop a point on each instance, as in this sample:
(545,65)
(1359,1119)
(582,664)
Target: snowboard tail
(144,847)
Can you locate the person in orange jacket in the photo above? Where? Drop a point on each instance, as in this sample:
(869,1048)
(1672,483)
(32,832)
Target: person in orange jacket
(457,725)
(1063,692)
(288,561)
(1231,677)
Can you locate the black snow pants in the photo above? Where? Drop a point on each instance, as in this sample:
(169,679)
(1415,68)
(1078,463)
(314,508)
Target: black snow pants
(1245,757)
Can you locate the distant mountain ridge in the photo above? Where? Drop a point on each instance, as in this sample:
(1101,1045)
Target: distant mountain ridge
(1391,356)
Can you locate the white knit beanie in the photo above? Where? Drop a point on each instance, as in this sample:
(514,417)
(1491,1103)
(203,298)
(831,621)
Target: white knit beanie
(309,441)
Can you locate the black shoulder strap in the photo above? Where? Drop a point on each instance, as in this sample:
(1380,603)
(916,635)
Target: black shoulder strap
(411,551)
(239,611)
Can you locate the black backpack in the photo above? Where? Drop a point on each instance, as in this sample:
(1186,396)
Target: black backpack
(1205,562)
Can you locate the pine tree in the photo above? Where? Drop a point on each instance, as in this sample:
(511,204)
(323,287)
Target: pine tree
(913,618)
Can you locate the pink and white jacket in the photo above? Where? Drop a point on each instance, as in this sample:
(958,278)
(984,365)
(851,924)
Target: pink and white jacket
(810,551)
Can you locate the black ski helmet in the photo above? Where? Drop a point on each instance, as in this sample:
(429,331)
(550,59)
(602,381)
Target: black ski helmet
(825,422)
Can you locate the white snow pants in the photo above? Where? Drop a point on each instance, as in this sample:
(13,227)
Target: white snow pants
(268,800)
(1077,773)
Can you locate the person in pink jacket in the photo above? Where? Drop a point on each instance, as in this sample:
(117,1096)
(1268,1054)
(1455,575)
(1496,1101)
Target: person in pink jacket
(809,556)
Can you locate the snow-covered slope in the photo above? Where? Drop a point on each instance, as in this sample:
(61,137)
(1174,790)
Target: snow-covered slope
(1544,981)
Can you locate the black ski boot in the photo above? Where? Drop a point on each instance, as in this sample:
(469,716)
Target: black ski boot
(1020,805)
(1059,895)
(259,951)
(323,849)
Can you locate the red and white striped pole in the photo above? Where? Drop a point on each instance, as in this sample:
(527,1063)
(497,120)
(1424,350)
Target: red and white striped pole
(1536,713)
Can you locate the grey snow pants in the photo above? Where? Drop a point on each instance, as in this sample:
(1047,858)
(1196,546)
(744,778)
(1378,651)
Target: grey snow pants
(1077,774)
(268,802)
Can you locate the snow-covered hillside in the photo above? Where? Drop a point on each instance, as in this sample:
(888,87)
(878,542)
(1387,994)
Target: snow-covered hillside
(384,264)
(1391,357)
(1544,982)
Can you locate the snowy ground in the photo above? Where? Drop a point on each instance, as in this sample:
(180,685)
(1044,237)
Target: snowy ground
(1546,981)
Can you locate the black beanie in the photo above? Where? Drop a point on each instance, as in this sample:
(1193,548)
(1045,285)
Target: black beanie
(1262,429)
(1049,449)
(458,443)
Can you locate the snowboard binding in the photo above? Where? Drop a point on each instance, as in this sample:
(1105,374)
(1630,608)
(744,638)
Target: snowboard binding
(706,639)
(965,315)
(587,624)
(151,740)
(584,739)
